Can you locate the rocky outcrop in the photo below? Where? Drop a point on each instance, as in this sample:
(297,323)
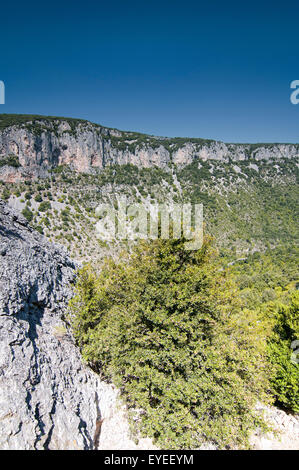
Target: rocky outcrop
(48,398)
(285,434)
(42,145)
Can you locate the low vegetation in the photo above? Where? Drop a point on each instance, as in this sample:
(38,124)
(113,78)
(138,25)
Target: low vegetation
(165,325)
(10,160)
(285,381)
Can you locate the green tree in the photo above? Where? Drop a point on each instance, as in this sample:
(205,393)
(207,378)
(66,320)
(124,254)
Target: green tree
(38,198)
(27,213)
(44,206)
(286,379)
(164,324)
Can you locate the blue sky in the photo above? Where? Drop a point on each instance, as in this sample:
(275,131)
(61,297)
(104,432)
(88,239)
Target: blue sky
(211,69)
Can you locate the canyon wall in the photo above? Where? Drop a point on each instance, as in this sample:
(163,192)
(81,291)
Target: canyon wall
(40,146)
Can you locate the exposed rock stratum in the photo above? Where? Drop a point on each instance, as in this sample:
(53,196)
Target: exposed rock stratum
(48,398)
(40,144)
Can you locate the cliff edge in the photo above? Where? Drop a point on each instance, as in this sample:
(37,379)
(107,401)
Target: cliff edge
(32,146)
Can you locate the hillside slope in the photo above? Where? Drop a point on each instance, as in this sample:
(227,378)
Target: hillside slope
(246,209)
(249,192)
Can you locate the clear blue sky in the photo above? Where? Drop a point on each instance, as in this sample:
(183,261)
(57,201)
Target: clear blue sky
(212,69)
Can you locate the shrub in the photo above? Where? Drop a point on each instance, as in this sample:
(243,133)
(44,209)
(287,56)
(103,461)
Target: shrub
(60,331)
(5,194)
(44,206)
(38,198)
(45,221)
(27,214)
(10,160)
(165,326)
(39,228)
(286,379)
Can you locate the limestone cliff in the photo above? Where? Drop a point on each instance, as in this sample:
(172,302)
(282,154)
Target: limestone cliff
(36,145)
(48,398)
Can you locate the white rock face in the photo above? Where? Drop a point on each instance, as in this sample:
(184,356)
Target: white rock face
(115,429)
(286,431)
(86,147)
(48,399)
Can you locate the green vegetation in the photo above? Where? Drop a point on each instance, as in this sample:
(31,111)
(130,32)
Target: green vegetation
(27,214)
(134,140)
(166,327)
(8,120)
(246,211)
(139,320)
(285,381)
(44,206)
(39,228)
(10,160)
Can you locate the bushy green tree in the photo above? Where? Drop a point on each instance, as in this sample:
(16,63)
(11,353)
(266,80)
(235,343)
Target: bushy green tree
(164,324)
(286,379)
(27,213)
(44,206)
